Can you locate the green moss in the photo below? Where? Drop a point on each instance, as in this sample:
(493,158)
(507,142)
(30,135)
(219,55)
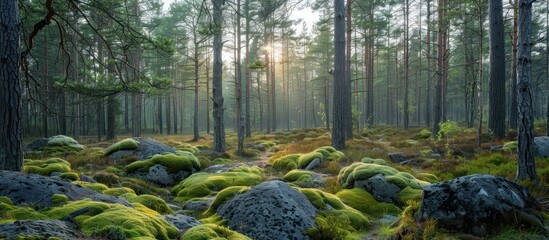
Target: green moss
(59,199)
(360,171)
(143,187)
(364,202)
(510,146)
(404,179)
(6,200)
(204,184)
(410,194)
(424,134)
(106,178)
(152,202)
(4,207)
(72,176)
(224,196)
(307,158)
(212,231)
(298,177)
(427,177)
(118,191)
(126,144)
(98,187)
(331,206)
(286,163)
(61,140)
(336,156)
(25,213)
(141,165)
(174,162)
(374,161)
(46,167)
(221,161)
(132,223)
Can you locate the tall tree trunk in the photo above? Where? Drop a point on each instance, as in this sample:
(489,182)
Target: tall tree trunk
(273,80)
(238,75)
(480,8)
(111,120)
(168,113)
(338,130)
(406,65)
(217,88)
(247,63)
(196,136)
(441,40)
(208,114)
(526,165)
(11,146)
(159,118)
(496,118)
(513,115)
(348,95)
(45,99)
(547,63)
(428,111)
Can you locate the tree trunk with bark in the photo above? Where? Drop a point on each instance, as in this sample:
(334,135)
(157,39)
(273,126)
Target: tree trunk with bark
(11,146)
(217,88)
(338,130)
(526,164)
(496,110)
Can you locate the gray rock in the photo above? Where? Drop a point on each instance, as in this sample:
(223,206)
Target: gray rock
(219,168)
(198,205)
(381,190)
(315,181)
(496,147)
(37,190)
(313,164)
(181,221)
(85,178)
(397,157)
(58,141)
(45,228)
(479,204)
(270,210)
(159,174)
(147,147)
(541,146)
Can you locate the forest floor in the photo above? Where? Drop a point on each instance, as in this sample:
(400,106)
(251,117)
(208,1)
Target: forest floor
(446,157)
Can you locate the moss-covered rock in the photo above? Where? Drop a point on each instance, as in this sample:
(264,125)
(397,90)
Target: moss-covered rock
(71,176)
(59,199)
(224,196)
(304,160)
(117,191)
(174,162)
(212,231)
(98,187)
(373,160)
(221,161)
(286,163)
(152,202)
(304,178)
(383,182)
(126,144)
(102,217)
(331,205)
(46,167)
(204,184)
(364,202)
(510,146)
(424,134)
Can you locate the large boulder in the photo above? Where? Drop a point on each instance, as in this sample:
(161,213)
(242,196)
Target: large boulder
(146,148)
(384,183)
(55,145)
(541,146)
(165,169)
(270,210)
(44,228)
(479,204)
(38,190)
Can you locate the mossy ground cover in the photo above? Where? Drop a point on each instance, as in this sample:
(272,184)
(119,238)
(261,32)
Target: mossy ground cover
(47,166)
(205,184)
(174,162)
(458,157)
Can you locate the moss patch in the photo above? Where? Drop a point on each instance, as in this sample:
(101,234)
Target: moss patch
(118,191)
(101,218)
(373,160)
(212,231)
(126,144)
(46,167)
(286,163)
(174,162)
(424,134)
(152,202)
(224,196)
(331,206)
(71,176)
(204,184)
(364,202)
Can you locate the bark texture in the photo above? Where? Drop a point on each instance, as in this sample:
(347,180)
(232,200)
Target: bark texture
(338,130)
(496,110)
(11,143)
(217,88)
